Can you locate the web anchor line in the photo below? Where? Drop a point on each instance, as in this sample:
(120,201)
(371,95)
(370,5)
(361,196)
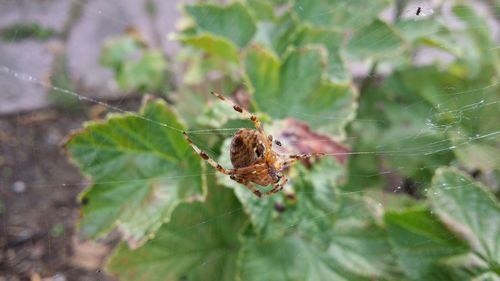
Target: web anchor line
(26,77)
(22,76)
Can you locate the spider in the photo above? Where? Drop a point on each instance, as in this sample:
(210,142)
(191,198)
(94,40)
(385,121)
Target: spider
(254,161)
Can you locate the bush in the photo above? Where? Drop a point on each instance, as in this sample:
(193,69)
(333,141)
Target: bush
(403,207)
(136,66)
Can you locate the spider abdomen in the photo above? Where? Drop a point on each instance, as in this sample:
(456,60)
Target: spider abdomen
(252,156)
(247,148)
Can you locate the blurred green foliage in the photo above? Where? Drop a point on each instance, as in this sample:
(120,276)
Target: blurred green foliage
(22,31)
(136,67)
(404,207)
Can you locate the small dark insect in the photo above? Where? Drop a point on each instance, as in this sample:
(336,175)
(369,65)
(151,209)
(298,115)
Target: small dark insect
(254,161)
(419,10)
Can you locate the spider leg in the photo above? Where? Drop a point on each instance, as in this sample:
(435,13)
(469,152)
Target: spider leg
(277,142)
(205,156)
(277,186)
(289,159)
(238,108)
(250,186)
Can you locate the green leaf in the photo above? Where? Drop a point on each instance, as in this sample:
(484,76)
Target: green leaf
(394,122)
(214,45)
(232,21)
(277,35)
(420,241)
(261,9)
(309,212)
(141,168)
(430,33)
(477,29)
(136,68)
(339,14)
(462,103)
(263,70)
(146,74)
(117,51)
(468,209)
(198,64)
(274,260)
(485,157)
(218,114)
(468,267)
(296,88)
(330,39)
(475,133)
(199,243)
(413,30)
(363,169)
(359,244)
(316,234)
(376,41)
(358,250)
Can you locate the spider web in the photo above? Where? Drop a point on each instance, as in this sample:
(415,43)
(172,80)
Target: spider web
(16,185)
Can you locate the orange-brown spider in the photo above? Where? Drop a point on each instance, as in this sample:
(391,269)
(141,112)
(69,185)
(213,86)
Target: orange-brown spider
(252,156)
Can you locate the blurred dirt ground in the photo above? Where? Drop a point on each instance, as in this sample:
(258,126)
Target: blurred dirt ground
(46,42)
(38,198)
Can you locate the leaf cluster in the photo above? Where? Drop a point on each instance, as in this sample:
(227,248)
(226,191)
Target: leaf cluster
(136,67)
(431,125)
